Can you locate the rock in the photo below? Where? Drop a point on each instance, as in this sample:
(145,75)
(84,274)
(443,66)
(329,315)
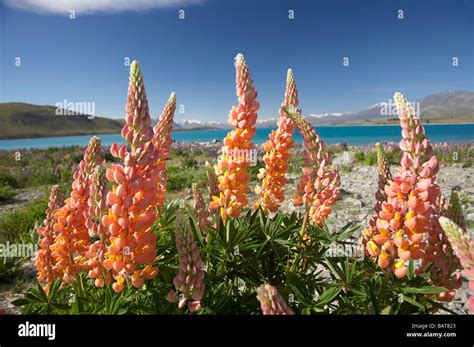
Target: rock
(344,192)
(345,159)
(353,202)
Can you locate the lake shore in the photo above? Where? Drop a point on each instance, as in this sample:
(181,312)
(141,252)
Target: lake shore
(210,128)
(352,135)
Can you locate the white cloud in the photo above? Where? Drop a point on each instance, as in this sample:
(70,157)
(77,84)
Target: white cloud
(63,7)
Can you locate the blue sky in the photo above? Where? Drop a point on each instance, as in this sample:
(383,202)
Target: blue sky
(83,59)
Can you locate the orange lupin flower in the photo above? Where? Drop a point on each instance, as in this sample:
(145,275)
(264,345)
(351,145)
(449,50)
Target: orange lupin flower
(45,262)
(135,194)
(232,166)
(277,154)
(384,178)
(70,225)
(162,141)
(319,185)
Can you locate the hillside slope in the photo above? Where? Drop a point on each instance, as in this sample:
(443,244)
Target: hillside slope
(20,120)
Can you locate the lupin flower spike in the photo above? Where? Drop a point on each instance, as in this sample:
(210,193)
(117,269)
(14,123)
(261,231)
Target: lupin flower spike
(463,246)
(98,209)
(72,240)
(162,141)
(189,282)
(135,194)
(271,301)
(384,178)
(319,185)
(213,187)
(277,154)
(164,127)
(237,150)
(454,211)
(45,262)
(200,209)
(410,210)
(384,174)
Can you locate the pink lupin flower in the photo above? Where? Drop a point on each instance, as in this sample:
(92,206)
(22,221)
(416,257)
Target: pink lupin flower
(384,178)
(200,209)
(410,210)
(463,246)
(135,194)
(277,154)
(45,262)
(72,236)
(189,281)
(162,141)
(319,185)
(98,208)
(232,166)
(271,301)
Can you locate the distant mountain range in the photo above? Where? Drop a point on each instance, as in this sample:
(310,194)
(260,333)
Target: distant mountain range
(448,107)
(21,120)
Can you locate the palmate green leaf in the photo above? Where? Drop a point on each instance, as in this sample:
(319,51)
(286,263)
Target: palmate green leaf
(36,295)
(345,232)
(424,290)
(333,266)
(412,302)
(21,302)
(54,289)
(328,296)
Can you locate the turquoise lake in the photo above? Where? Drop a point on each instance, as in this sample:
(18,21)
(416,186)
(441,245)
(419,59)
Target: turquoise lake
(353,135)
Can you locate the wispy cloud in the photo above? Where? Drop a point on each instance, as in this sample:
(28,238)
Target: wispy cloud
(62,7)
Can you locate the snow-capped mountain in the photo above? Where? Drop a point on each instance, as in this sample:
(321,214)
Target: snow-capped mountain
(451,103)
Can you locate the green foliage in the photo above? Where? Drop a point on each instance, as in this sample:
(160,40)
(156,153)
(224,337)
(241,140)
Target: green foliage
(6,193)
(10,268)
(241,255)
(8,180)
(370,157)
(17,223)
(183,177)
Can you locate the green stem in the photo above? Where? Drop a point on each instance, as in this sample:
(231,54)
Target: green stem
(305,220)
(302,230)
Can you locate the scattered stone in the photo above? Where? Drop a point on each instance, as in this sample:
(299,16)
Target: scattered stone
(345,159)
